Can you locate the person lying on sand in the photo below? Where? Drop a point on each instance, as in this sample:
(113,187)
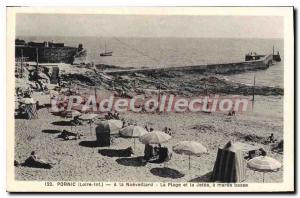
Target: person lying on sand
(168,131)
(76,121)
(278,147)
(33,161)
(66,135)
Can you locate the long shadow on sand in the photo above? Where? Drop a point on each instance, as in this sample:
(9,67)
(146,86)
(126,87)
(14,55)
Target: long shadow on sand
(51,131)
(166,173)
(135,161)
(62,123)
(90,144)
(204,178)
(114,152)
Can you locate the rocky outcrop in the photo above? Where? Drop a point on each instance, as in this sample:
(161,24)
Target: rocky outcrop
(171,82)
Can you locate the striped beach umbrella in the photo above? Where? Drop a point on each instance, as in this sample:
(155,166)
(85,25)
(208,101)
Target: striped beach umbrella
(189,148)
(264,164)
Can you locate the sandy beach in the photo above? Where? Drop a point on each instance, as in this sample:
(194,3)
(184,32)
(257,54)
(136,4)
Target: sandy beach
(80,161)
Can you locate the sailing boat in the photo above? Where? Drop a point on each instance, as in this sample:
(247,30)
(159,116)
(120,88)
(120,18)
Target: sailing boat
(105,53)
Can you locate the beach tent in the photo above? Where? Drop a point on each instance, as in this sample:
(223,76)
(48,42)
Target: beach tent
(29,107)
(54,79)
(230,165)
(105,129)
(103,135)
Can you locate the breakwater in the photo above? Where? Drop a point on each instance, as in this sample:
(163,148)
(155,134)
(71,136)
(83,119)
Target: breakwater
(222,68)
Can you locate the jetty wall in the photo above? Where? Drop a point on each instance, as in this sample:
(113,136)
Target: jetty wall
(222,68)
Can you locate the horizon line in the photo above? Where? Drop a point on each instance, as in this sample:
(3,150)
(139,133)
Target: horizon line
(179,37)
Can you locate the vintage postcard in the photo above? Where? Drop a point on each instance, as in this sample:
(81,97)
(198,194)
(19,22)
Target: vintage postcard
(158,99)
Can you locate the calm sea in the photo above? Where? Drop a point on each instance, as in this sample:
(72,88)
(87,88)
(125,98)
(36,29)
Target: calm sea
(171,52)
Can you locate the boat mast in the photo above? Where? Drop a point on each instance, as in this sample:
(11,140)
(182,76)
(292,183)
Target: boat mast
(37,58)
(253,91)
(21,63)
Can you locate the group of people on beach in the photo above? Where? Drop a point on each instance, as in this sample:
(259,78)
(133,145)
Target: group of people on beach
(112,115)
(157,153)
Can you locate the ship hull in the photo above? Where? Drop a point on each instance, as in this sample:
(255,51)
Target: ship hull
(106,54)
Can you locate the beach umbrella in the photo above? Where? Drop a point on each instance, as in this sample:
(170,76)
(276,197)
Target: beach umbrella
(90,117)
(133,132)
(154,137)
(189,148)
(75,113)
(70,114)
(27,101)
(264,164)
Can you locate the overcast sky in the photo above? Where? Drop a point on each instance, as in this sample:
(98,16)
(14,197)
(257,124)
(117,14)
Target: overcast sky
(149,26)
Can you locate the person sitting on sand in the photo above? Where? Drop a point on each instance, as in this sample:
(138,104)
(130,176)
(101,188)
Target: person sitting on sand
(151,129)
(166,130)
(156,149)
(109,116)
(262,152)
(123,124)
(76,121)
(116,116)
(148,152)
(231,113)
(164,154)
(271,138)
(146,127)
(32,161)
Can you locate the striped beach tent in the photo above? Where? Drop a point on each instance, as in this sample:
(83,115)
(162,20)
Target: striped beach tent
(29,106)
(230,165)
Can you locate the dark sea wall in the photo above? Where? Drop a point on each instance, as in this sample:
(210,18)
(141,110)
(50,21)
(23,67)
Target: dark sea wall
(47,54)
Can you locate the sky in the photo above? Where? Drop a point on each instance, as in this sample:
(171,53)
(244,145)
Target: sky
(149,26)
